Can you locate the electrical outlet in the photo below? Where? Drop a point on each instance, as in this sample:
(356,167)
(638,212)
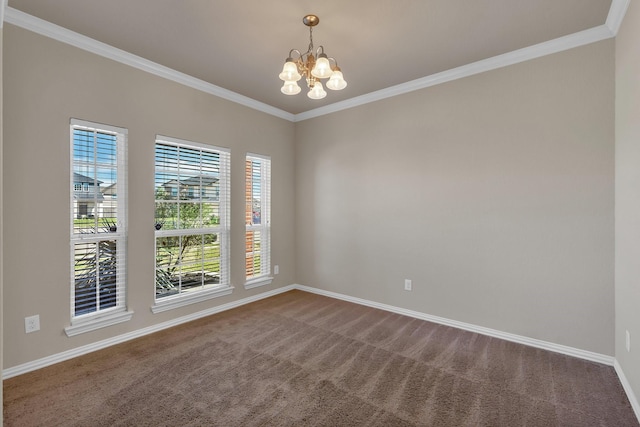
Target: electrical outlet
(407,284)
(628,341)
(276,269)
(32,323)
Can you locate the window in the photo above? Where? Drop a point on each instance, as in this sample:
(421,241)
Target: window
(191,222)
(257,220)
(98,227)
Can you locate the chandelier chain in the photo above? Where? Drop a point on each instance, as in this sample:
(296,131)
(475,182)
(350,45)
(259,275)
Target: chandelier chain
(310,39)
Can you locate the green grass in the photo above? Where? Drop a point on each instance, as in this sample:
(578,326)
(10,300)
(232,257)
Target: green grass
(91,222)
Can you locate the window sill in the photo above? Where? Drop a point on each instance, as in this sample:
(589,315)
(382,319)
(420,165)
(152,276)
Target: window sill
(169,303)
(258,281)
(100,321)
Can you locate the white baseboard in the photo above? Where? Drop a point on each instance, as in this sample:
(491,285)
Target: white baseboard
(545,345)
(570,351)
(627,388)
(79,351)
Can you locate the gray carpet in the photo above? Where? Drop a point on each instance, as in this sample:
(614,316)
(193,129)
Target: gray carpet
(299,359)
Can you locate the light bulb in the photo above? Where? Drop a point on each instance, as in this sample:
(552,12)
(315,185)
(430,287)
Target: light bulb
(290,71)
(322,69)
(336,81)
(317,92)
(290,87)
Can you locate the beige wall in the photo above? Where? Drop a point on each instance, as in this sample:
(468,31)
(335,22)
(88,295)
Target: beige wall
(47,83)
(493,193)
(627,269)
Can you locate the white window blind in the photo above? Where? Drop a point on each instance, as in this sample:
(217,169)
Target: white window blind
(98,220)
(257,220)
(191,219)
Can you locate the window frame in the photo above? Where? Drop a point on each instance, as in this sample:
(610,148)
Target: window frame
(264,277)
(100,318)
(222,229)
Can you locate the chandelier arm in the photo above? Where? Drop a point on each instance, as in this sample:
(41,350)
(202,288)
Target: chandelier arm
(307,53)
(292,51)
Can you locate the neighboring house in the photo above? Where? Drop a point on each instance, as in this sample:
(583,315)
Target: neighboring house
(110,203)
(87,197)
(203,187)
(109,191)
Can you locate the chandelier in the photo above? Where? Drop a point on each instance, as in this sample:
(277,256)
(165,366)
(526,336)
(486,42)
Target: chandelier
(313,68)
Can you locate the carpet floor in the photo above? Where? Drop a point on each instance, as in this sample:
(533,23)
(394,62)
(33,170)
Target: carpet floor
(300,359)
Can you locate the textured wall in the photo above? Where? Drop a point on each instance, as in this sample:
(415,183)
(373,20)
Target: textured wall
(493,193)
(47,83)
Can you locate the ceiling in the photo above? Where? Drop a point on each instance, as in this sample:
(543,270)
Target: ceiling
(241,46)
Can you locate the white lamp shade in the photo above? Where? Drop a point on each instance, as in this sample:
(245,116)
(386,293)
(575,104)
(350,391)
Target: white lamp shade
(322,69)
(290,87)
(290,72)
(336,81)
(317,92)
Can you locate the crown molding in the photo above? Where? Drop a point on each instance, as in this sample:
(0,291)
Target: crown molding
(616,13)
(608,30)
(47,29)
(3,8)
(560,44)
